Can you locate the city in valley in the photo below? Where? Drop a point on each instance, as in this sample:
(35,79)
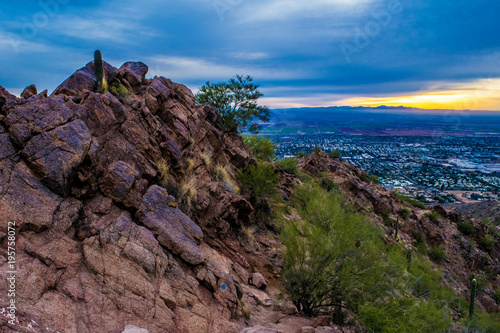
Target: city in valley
(436,158)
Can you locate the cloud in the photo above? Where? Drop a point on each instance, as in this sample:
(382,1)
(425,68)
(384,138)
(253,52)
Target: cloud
(250,55)
(187,68)
(280,10)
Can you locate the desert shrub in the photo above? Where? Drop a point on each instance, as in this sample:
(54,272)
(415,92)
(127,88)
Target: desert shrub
(120,91)
(335,153)
(437,254)
(325,182)
(404,314)
(317,149)
(434,217)
(405,212)
(289,165)
(335,259)
(369,178)
(465,227)
(262,147)
(496,295)
(485,323)
(419,240)
(301,154)
(324,248)
(425,280)
(260,181)
(487,243)
(412,201)
(163,170)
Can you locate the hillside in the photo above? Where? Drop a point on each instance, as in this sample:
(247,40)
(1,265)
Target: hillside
(129,215)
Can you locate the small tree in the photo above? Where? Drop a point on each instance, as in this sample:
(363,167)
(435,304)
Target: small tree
(236,101)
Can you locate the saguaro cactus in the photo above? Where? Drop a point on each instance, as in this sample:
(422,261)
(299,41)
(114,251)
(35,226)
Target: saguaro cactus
(397,229)
(99,71)
(473,297)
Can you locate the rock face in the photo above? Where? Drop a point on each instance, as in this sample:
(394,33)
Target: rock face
(107,240)
(29,91)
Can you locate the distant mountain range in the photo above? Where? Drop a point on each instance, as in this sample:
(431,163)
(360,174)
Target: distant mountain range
(385,119)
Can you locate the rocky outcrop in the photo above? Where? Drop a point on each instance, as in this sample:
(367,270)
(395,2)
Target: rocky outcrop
(106,239)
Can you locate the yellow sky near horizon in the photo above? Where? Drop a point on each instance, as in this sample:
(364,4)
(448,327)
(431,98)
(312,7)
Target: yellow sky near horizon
(482,94)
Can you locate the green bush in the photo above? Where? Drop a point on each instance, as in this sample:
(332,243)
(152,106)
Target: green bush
(496,296)
(437,254)
(317,149)
(332,255)
(260,182)
(335,259)
(467,228)
(301,154)
(335,153)
(434,217)
(262,148)
(405,212)
(326,183)
(120,91)
(405,314)
(419,239)
(369,178)
(289,165)
(487,243)
(412,201)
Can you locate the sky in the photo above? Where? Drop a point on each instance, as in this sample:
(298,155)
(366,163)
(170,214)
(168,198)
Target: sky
(426,53)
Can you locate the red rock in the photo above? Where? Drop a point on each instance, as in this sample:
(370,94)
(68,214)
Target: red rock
(133,72)
(29,91)
(322,321)
(258,281)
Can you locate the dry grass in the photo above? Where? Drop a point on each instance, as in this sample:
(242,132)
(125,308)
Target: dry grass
(206,157)
(164,170)
(222,176)
(245,311)
(186,196)
(249,233)
(189,165)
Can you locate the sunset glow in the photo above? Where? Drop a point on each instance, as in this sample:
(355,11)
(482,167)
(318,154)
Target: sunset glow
(479,95)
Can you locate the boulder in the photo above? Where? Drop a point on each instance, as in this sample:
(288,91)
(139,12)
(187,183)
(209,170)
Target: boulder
(173,229)
(258,281)
(54,155)
(133,72)
(29,91)
(84,80)
(118,181)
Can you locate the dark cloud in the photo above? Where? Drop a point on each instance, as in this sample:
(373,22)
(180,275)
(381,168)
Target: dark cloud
(291,47)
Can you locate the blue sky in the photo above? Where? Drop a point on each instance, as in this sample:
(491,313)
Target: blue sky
(427,53)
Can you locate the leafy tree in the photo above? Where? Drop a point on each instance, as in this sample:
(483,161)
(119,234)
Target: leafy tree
(236,101)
